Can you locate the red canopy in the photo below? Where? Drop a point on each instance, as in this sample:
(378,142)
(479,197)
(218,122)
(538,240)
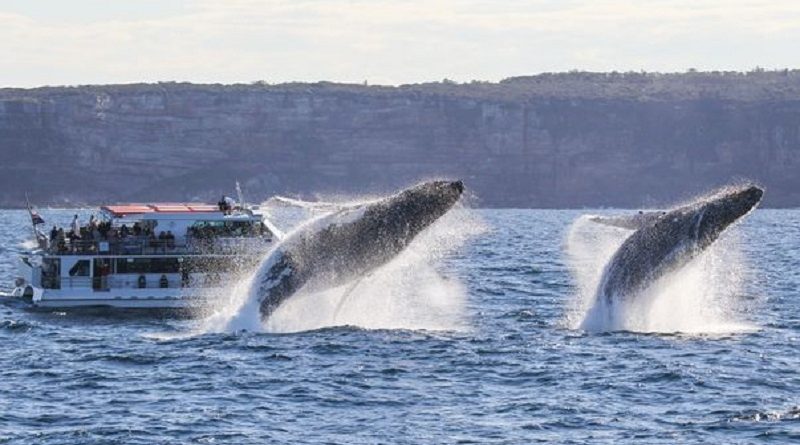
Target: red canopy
(122,210)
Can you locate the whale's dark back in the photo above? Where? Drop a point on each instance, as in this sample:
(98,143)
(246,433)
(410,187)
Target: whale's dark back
(673,240)
(351,243)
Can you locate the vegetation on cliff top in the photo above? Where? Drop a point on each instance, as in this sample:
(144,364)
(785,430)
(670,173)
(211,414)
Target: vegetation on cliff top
(758,84)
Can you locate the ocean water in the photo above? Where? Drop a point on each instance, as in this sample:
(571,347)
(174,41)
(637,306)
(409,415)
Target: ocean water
(482,332)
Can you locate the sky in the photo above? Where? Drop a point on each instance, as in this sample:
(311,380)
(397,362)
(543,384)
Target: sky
(77,42)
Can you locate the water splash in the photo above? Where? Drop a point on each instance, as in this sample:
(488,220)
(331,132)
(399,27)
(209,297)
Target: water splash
(409,292)
(704,297)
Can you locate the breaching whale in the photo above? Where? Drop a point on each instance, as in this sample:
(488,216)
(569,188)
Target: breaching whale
(344,246)
(666,241)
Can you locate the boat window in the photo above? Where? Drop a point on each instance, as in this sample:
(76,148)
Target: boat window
(51,273)
(80,269)
(213,229)
(147,265)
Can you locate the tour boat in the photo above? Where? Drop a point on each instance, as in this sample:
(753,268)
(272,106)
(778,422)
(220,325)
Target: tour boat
(144,256)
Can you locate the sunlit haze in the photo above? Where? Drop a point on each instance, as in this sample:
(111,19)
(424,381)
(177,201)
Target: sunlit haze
(53,42)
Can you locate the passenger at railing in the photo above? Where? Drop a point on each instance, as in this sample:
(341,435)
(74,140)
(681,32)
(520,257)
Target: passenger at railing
(104,227)
(76,227)
(170,238)
(152,241)
(137,229)
(53,235)
(124,231)
(162,239)
(92,222)
(61,241)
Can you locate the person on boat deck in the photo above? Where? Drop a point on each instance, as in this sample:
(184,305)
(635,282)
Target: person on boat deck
(61,241)
(137,229)
(54,234)
(123,231)
(92,222)
(103,229)
(96,233)
(230,203)
(226,204)
(170,238)
(76,227)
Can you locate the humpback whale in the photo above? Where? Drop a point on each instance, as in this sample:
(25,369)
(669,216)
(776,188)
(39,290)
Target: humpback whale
(666,241)
(348,244)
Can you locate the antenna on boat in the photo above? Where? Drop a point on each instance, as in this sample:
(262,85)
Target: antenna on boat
(240,195)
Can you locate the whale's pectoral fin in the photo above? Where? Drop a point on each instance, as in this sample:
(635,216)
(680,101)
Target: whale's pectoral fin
(278,283)
(632,222)
(346,295)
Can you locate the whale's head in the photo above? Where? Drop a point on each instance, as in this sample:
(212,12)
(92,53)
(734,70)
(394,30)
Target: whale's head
(723,209)
(409,212)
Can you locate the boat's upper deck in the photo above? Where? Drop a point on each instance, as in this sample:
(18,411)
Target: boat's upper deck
(173,210)
(163,229)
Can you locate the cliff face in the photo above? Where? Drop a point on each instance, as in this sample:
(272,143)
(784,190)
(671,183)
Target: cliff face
(529,142)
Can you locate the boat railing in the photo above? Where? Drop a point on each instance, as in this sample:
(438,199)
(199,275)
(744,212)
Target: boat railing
(134,245)
(141,281)
(133,281)
(76,282)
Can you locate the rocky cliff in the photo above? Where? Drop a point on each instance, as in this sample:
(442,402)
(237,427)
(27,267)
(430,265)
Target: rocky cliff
(565,140)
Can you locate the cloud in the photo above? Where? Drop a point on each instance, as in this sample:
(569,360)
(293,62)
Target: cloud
(391,41)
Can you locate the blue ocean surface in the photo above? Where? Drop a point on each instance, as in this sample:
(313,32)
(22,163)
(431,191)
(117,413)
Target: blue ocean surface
(481,344)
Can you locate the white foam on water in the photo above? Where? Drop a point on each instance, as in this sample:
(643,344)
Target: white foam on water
(29,244)
(703,297)
(403,294)
(407,293)
(234,310)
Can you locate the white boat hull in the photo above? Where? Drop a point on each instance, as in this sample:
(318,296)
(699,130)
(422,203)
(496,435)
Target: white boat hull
(121,298)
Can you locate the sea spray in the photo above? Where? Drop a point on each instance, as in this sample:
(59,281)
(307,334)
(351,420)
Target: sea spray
(702,297)
(589,247)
